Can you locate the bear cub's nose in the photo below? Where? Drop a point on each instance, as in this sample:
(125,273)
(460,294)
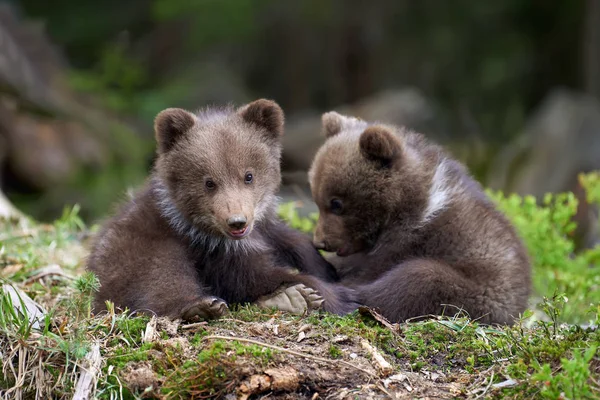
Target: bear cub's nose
(237,221)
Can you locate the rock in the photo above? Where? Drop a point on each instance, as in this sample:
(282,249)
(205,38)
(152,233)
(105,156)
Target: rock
(407,107)
(561,140)
(44,152)
(7,210)
(50,135)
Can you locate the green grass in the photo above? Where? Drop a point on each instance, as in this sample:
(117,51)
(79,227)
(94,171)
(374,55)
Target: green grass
(549,354)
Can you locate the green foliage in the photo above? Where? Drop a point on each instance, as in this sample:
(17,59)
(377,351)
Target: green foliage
(551,357)
(591,184)
(571,381)
(116,80)
(547,230)
(289,213)
(214,20)
(545,357)
(14,318)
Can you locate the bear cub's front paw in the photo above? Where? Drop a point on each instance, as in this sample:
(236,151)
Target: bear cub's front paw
(348,300)
(295,299)
(206,308)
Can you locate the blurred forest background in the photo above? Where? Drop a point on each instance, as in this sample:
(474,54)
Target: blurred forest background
(510,86)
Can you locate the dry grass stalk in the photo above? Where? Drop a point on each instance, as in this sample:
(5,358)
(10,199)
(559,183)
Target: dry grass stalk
(86,384)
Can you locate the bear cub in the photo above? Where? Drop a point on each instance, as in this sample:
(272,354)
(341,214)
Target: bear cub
(414,233)
(204,231)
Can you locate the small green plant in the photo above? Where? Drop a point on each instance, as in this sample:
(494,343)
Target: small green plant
(14,318)
(334,351)
(86,286)
(571,381)
(547,230)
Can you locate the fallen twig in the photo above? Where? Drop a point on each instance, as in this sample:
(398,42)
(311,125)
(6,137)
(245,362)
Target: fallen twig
(394,327)
(292,352)
(486,388)
(53,269)
(194,325)
(87,380)
(384,367)
(275,379)
(384,390)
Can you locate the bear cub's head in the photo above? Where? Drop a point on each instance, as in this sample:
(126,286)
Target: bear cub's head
(219,168)
(362,178)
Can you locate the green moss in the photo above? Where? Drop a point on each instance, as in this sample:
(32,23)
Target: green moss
(122,355)
(250,313)
(215,367)
(132,328)
(334,351)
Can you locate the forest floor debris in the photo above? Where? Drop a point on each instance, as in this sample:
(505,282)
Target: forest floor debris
(251,352)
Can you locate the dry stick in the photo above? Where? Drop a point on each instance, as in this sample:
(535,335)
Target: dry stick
(87,380)
(487,387)
(47,271)
(194,325)
(296,353)
(384,390)
(380,363)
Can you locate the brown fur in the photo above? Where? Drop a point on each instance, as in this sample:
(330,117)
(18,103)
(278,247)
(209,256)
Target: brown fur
(415,234)
(170,251)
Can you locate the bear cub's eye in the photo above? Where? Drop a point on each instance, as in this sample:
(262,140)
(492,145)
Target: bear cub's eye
(210,185)
(336,206)
(248,178)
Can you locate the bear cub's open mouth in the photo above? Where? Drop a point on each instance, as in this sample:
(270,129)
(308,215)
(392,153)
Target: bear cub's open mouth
(240,233)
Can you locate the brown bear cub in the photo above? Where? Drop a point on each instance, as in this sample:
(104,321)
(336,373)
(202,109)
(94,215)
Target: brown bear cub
(204,232)
(414,234)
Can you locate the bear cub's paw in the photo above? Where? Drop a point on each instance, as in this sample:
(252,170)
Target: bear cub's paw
(206,308)
(295,299)
(348,300)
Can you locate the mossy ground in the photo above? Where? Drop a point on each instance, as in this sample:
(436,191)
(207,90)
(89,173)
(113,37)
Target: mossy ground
(550,353)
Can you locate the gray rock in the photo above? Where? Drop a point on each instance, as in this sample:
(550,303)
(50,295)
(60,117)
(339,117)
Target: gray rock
(561,140)
(406,107)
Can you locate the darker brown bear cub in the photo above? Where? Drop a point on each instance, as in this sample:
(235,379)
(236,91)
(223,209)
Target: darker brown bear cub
(204,232)
(414,234)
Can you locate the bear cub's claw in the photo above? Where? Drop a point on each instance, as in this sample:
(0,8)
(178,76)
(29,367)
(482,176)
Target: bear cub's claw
(295,299)
(206,308)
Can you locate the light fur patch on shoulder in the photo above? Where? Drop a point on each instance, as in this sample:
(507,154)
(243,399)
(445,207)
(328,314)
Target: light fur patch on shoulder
(440,193)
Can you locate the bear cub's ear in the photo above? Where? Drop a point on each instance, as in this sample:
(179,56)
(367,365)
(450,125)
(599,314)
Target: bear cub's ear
(331,123)
(170,125)
(379,144)
(265,114)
